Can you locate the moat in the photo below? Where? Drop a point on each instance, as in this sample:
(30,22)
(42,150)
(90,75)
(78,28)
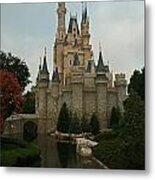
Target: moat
(54,154)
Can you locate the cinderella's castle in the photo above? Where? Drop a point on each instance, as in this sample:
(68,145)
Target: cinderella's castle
(85,87)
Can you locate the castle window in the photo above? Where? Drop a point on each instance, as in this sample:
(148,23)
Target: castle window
(70,62)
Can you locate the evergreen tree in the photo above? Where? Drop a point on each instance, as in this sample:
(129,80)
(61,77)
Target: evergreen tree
(29,103)
(131,151)
(75,125)
(63,119)
(137,83)
(94,125)
(85,125)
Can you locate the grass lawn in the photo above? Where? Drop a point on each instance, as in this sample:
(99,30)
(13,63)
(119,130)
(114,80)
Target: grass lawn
(18,155)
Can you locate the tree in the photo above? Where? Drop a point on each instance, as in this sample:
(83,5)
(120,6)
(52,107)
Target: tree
(131,151)
(63,119)
(137,83)
(75,125)
(29,103)
(15,65)
(85,125)
(94,125)
(10,96)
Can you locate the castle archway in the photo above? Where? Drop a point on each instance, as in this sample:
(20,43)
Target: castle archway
(30,130)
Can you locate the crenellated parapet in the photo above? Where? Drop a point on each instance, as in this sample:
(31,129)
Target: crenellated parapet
(120,80)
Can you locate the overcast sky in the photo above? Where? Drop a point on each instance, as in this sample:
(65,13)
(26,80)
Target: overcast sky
(119,25)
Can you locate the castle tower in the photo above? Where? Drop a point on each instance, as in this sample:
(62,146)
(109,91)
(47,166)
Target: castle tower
(59,42)
(101,88)
(42,85)
(85,35)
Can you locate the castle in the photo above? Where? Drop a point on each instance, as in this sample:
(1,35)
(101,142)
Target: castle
(86,88)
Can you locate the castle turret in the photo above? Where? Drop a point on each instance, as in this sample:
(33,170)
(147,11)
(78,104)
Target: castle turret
(101,88)
(42,86)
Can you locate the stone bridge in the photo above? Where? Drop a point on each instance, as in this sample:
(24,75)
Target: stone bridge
(17,124)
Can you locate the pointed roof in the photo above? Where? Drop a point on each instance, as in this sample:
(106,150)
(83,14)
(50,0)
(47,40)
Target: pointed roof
(44,68)
(100,65)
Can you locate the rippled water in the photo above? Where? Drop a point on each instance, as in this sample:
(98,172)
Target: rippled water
(62,155)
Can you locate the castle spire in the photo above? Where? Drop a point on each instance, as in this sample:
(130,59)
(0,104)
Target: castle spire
(100,65)
(44,69)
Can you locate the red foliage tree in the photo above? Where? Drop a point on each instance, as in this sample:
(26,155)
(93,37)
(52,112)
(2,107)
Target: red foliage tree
(11,99)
